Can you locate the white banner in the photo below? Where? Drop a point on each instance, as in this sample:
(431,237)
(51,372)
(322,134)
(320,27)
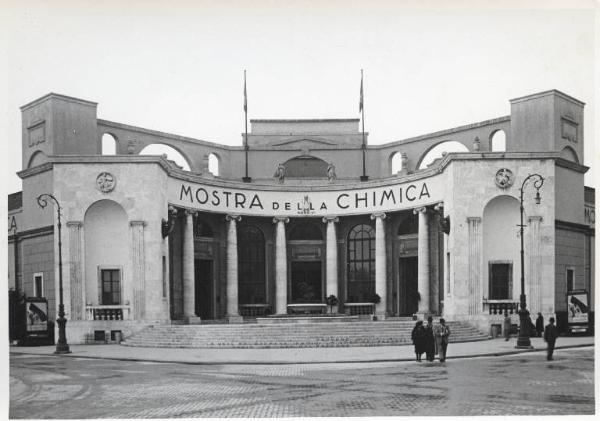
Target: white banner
(249,201)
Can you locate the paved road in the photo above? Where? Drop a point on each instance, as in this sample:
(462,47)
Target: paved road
(526,384)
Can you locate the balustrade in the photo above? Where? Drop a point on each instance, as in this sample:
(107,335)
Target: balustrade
(499,307)
(357,309)
(107,312)
(255,310)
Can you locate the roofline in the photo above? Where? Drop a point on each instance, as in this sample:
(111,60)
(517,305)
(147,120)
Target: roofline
(306,120)
(58,96)
(547,93)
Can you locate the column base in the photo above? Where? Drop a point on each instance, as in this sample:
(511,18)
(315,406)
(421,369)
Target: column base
(193,320)
(379,315)
(235,319)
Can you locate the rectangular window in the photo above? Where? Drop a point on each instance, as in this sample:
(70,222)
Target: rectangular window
(111,286)
(570,278)
(38,284)
(500,281)
(164,276)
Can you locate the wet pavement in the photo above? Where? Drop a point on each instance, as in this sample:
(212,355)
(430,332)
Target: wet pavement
(44,386)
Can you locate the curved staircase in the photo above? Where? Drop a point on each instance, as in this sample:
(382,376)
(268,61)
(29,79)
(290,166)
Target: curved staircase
(291,335)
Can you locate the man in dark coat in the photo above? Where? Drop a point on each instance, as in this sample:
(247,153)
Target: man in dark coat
(550,335)
(429,340)
(418,338)
(539,325)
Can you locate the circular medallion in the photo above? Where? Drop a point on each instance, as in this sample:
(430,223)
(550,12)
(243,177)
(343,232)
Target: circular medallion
(504,178)
(106,182)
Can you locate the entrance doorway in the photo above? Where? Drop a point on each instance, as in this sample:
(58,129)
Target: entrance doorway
(409,286)
(306,282)
(203,270)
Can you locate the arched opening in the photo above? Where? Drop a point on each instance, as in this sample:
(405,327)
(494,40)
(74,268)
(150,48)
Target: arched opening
(171,153)
(396,162)
(106,253)
(109,144)
(501,248)
(569,154)
(251,266)
(305,167)
(361,264)
(407,246)
(306,262)
(440,150)
(213,164)
(498,141)
(38,158)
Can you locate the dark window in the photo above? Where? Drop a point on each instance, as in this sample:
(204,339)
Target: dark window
(305,231)
(251,266)
(202,229)
(111,286)
(570,277)
(361,263)
(164,276)
(409,225)
(38,285)
(306,166)
(500,286)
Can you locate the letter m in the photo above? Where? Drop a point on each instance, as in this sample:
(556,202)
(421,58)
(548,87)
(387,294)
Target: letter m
(187,191)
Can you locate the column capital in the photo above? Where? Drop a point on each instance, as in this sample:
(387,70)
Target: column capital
(376,215)
(333,219)
(439,207)
(191,212)
(74,224)
(172,210)
(422,209)
(535,218)
(136,223)
(473,219)
(236,218)
(283,219)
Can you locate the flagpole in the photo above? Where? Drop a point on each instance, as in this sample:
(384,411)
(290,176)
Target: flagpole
(246,179)
(364,176)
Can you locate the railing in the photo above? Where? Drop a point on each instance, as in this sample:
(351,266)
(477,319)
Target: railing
(107,312)
(307,308)
(500,306)
(254,310)
(356,309)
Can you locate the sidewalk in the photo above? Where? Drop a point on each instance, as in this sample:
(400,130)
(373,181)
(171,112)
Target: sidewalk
(492,347)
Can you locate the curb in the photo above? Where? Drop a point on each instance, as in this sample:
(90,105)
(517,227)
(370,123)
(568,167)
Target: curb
(384,360)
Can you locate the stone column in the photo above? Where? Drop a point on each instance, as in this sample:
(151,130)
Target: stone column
(331,271)
(76,282)
(189,293)
(380,263)
(423,263)
(474,261)
(233,313)
(533,279)
(138,269)
(280,265)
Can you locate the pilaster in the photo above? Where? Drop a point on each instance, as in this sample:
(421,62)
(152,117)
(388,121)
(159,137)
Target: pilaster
(76,283)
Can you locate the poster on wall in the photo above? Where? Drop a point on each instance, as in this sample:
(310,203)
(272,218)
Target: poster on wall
(577,310)
(36,315)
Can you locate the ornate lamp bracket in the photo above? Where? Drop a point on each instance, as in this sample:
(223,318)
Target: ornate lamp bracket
(168,226)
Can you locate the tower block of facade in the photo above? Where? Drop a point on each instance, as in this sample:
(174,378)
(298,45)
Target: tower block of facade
(147,241)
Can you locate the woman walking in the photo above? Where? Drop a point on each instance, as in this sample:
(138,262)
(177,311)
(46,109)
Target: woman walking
(418,338)
(442,332)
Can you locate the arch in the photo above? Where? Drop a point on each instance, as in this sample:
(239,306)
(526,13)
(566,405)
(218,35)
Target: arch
(409,225)
(38,158)
(202,229)
(305,231)
(438,151)
(214,164)
(498,141)
(106,239)
(361,263)
(109,144)
(171,153)
(501,262)
(305,167)
(569,154)
(396,162)
(252,284)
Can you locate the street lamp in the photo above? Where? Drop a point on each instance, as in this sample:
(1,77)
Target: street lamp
(523,340)
(61,346)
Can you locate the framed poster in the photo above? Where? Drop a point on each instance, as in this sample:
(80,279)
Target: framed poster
(577,310)
(36,315)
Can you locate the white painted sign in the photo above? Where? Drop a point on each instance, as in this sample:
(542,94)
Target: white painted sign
(389,198)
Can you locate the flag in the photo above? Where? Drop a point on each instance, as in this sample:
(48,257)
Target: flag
(360,104)
(245,96)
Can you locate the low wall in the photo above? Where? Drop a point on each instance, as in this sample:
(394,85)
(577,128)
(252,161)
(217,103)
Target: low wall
(82,331)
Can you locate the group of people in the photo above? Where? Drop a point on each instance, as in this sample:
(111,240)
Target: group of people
(430,339)
(549,333)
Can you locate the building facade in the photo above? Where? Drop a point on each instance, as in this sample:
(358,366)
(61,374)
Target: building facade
(303,210)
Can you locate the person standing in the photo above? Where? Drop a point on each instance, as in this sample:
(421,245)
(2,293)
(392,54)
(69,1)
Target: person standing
(550,335)
(418,338)
(506,326)
(539,325)
(429,340)
(442,332)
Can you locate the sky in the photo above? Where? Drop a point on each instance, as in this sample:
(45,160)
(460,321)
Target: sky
(178,66)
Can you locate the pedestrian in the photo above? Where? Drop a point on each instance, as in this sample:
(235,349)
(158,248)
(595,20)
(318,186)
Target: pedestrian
(539,325)
(429,340)
(418,338)
(506,326)
(442,332)
(550,335)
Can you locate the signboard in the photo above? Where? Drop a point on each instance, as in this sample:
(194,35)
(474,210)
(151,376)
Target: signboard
(36,315)
(283,202)
(577,310)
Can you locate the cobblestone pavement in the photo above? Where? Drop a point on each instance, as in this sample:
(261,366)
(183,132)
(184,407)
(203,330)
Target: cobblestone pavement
(526,384)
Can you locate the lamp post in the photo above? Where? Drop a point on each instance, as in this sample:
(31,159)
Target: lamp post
(523,340)
(61,345)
